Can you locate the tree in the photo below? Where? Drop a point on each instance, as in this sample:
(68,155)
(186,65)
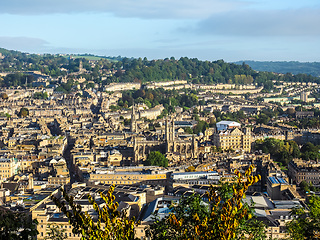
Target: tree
(186,209)
(200,127)
(14,226)
(310,151)
(305,186)
(226,219)
(291,111)
(156,158)
(305,224)
(111,224)
(190,169)
(23,112)
(263,119)
(229,218)
(4,96)
(188,130)
(54,232)
(309,147)
(281,150)
(40,95)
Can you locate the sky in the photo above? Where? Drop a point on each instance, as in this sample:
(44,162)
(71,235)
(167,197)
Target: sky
(232,30)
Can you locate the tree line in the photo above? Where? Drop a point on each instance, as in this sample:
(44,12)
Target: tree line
(144,70)
(283,151)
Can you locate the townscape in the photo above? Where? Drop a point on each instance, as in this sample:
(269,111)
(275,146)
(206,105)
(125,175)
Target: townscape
(87,128)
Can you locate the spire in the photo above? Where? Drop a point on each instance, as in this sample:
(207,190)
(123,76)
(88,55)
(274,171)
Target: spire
(80,66)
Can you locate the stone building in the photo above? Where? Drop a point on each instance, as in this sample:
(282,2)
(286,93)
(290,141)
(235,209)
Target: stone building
(114,158)
(233,137)
(278,188)
(154,177)
(8,168)
(185,146)
(299,170)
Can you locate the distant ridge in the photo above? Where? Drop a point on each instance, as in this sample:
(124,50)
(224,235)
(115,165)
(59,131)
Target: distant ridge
(144,70)
(294,67)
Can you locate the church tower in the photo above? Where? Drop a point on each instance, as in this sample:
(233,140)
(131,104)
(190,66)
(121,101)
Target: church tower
(194,147)
(167,131)
(80,67)
(170,135)
(135,150)
(133,120)
(172,131)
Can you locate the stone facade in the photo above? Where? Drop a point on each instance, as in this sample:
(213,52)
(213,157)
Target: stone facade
(233,139)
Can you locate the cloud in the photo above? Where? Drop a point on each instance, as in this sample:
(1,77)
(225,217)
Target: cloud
(23,43)
(298,22)
(123,8)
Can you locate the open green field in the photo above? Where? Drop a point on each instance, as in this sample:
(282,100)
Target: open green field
(92,58)
(87,57)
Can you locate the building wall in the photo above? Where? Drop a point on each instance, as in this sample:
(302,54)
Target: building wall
(129,178)
(122,86)
(8,168)
(232,140)
(299,170)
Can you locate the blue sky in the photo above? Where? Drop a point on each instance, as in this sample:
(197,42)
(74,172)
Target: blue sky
(273,30)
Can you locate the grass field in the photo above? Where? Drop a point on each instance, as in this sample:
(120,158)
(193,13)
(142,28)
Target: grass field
(92,58)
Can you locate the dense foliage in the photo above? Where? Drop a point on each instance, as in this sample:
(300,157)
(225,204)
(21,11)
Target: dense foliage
(228,217)
(200,127)
(307,187)
(284,151)
(310,152)
(281,150)
(184,68)
(304,123)
(17,79)
(54,232)
(139,70)
(156,158)
(24,112)
(186,209)
(305,224)
(111,224)
(15,226)
(153,97)
(237,116)
(40,95)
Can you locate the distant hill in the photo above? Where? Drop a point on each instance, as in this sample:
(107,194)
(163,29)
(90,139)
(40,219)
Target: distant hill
(312,68)
(13,53)
(142,70)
